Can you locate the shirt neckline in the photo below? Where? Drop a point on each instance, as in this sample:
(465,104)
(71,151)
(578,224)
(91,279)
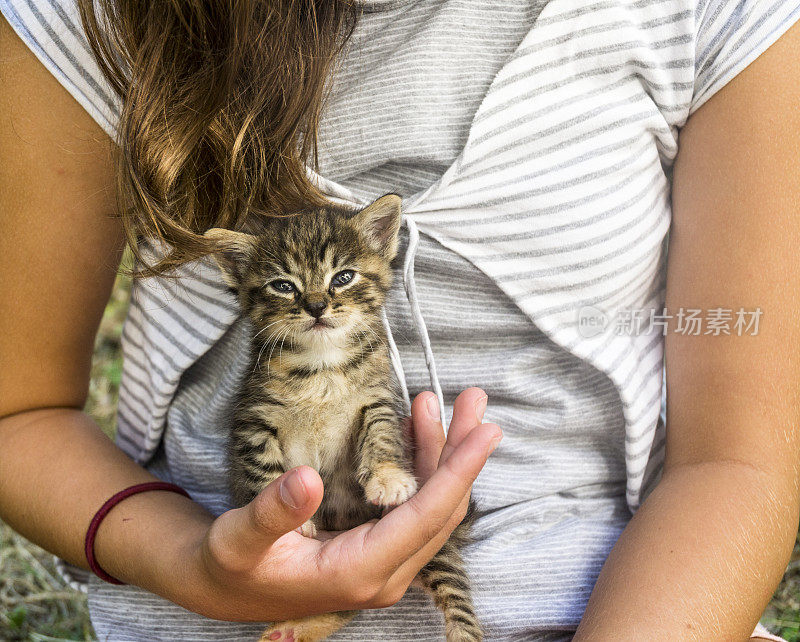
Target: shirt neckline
(416,202)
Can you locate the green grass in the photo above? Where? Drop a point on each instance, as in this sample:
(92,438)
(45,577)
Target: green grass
(783,613)
(35,605)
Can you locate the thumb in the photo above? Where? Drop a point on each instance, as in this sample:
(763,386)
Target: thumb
(280,508)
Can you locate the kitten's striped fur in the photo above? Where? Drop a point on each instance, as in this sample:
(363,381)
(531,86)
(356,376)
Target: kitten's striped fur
(323,395)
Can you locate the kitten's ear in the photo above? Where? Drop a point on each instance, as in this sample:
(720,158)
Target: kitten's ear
(379,224)
(233,253)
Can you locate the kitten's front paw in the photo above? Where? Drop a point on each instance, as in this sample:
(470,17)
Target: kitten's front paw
(308,529)
(389,485)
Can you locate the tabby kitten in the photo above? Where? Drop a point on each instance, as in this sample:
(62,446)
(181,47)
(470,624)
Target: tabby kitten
(319,389)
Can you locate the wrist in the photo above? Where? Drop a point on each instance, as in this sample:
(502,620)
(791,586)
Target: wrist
(107,507)
(198,587)
(152,540)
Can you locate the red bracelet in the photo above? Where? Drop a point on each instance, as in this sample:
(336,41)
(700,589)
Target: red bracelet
(88,546)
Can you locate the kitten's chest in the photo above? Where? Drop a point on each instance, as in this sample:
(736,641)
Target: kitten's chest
(316,426)
(320,437)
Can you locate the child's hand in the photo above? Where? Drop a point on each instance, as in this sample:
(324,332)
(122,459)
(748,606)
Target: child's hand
(251,564)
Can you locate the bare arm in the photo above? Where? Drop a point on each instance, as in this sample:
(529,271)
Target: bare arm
(704,553)
(59,249)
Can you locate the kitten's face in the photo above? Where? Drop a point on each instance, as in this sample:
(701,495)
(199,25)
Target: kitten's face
(316,280)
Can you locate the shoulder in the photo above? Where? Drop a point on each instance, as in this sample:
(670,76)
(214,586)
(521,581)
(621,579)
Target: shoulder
(53,31)
(730,35)
(681,51)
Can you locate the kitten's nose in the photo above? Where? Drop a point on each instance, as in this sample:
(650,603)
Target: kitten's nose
(315,308)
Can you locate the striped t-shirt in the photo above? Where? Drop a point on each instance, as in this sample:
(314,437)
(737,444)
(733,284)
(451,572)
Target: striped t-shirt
(533,143)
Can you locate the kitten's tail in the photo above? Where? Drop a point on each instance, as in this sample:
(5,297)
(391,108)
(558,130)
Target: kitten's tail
(446,579)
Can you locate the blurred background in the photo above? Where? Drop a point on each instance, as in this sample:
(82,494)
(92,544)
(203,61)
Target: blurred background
(36,605)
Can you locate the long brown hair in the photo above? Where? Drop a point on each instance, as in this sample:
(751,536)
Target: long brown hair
(221,102)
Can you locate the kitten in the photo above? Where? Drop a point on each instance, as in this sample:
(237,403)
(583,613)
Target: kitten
(319,389)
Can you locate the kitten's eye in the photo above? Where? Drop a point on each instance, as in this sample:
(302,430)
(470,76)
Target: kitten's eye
(342,278)
(284,287)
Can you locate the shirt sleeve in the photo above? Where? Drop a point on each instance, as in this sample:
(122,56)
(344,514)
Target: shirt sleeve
(733,33)
(53,31)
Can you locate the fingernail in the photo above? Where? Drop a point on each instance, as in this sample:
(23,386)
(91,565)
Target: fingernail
(293,490)
(495,443)
(433,407)
(480,407)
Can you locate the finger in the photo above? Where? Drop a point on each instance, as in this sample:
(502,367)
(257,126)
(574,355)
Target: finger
(410,526)
(428,435)
(409,569)
(280,508)
(468,409)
